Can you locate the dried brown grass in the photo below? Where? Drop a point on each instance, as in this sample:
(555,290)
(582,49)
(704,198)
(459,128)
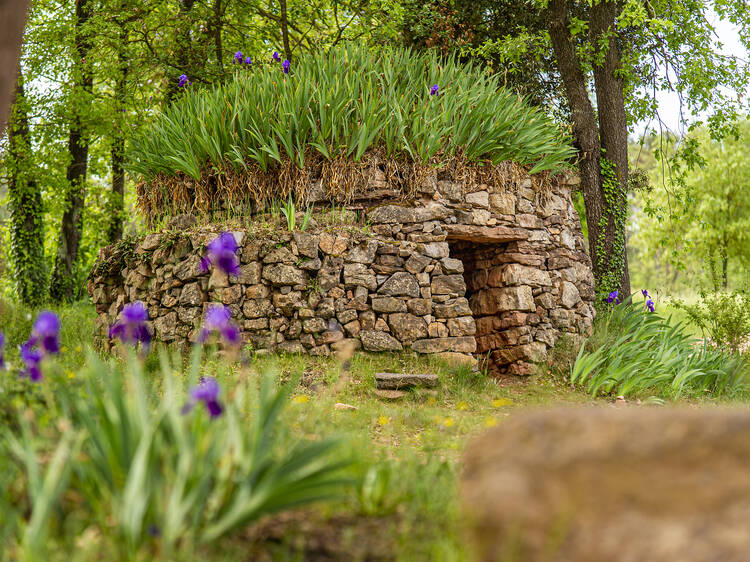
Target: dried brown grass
(338,180)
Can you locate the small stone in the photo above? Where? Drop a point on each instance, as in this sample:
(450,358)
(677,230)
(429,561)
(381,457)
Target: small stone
(419,307)
(218,279)
(249,274)
(394,381)
(191,295)
(292,347)
(373,340)
(401,284)
(343,406)
(283,274)
(478,199)
(437,250)
(363,253)
(358,274)
(416,263)
(435,345)
(451,265)
(390,394)
(307,244)
(314,325)
(448,284)
(407,327)
(388,304)
(333,245)
(452,309)
(463,326)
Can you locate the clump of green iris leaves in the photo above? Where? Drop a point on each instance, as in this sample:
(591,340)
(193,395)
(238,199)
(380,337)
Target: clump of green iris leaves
(344,103)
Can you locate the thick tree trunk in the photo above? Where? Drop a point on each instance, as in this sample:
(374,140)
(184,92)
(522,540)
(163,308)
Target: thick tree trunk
(12,23)
(602,209)
(585,131)
(25,205)
(63,283)
(613,133)
(285,31)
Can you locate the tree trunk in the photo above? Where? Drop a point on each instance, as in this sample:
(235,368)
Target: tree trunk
(604,212)
(117,150)
(613,132)
(184,50)
(12,23)
(25,204)
(63,283)
(285,31)
(117,154)
(217,28)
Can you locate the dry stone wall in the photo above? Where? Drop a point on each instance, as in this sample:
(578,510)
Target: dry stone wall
(497,271)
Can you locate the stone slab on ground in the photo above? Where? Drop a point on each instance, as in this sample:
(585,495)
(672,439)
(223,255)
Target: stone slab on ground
(394,381)
(622,485)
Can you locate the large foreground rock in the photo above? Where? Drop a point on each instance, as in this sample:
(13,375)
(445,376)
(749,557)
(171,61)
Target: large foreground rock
(589,485)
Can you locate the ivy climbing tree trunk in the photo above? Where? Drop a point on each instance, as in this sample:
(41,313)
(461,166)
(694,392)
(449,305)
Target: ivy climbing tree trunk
(603,145)
(63,282)
(25,205)
(613,132)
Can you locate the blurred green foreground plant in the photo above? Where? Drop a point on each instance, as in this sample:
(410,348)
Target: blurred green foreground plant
(635,352)
(146,475)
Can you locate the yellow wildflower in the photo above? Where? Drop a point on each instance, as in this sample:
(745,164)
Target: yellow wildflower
(490,422)
(301,399)
(462,406)
(448,422)
(500,402)
(383,420)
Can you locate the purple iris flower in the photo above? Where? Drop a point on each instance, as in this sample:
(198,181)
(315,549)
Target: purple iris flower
(613,297)
(218,319)
(276,56)
(434,90)
(644,292)
(248,61)
(183,81)
(32,359)
(131,328)
(207,392)
(650,305)
(285,66)
(2,347)
(45,333)
(222,253)
(238,57)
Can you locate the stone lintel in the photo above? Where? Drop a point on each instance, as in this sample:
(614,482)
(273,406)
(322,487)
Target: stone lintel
(485,234)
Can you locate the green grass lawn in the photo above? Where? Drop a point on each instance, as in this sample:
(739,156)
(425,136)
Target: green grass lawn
(408,449)
(403,502)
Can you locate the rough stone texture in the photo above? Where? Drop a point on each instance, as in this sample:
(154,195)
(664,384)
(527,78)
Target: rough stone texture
(500,271)
(394,381)
(623,485)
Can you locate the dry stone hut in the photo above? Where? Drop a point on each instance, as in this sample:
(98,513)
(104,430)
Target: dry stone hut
(469,258)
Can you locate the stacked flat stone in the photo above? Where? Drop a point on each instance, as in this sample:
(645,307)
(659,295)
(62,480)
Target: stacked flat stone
(465,268)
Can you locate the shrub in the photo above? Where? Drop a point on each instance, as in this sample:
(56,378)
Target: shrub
(636,352)
(344,104)
(133,465)
(722,316)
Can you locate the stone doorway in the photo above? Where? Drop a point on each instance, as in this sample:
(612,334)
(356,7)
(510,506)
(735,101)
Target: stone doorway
(503,307)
